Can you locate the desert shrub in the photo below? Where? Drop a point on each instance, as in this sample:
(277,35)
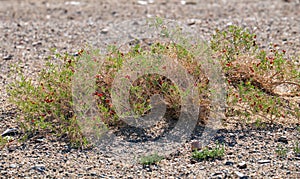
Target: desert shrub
(147,85)
(256,77)
(45,103)
(253,78)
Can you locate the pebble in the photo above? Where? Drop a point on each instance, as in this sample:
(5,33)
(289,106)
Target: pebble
(75,3)
(104,31)
(196,145)
(229,163)
(8,57)
(40,140)
(201,168)
(217,174)
(40,168)
(20,47)
(242,165)
(240,175)
(36,43)
(142,2)
(191,22)
(10,132)
(263,161)
(13,166)
(188,2)
(283,139)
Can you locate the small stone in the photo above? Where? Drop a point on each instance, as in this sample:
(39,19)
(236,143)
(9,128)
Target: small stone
(229,152)
(242,165)
(39,140)
(40,168)
(10,132)
(20,47)
(188,2)
(254,151)
(142,2)
(195,145)
(241,136)
(240,175)
(74,3)
(191,22)
(36,43)
(13,166)
(297,158)
(104,31)
(229,163)
(102,176)
(8,57)
(218,174)
(201,168)
(283,139)
(93,173)
(263,161)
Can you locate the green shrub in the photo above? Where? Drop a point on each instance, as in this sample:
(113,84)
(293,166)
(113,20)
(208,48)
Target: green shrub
(207,154)
(281,151)
(151,159)
(147,85)
(45,103)
(297,148)
(254,76)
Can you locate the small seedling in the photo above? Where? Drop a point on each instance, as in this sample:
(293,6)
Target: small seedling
(298,129)
(207,154)
(151,159)
(259,124)
(281,151)
(3,141)
(297,148)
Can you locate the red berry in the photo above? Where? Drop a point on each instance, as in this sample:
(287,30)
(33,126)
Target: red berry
(228,64)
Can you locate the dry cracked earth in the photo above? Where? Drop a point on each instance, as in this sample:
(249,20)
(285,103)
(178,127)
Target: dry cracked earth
(30,28)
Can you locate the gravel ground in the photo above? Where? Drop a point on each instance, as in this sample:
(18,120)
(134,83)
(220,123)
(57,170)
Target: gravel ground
(30,28)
